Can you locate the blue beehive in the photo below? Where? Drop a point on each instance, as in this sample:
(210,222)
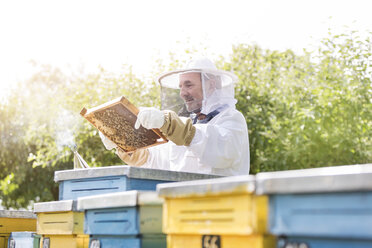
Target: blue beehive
(24,240)
(322,207)
(101,180)
(316,242)
(125,219)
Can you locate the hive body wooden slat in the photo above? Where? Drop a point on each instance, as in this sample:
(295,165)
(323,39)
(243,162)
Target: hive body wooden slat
(64,241)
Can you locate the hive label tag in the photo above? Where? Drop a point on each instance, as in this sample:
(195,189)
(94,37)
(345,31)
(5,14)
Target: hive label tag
(95,244)
(46,243)
(12,243)
(211,241)
(296,245)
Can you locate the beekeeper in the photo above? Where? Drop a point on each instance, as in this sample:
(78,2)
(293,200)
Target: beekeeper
(205,131)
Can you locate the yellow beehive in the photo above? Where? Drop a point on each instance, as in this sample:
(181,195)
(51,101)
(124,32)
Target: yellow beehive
(59,218)
(15,221)
(60,223)
(214,206)
(64,241)
(225,241)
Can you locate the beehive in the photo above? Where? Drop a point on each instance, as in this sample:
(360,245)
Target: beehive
(15,221)
(116,119)
(93,181)
(124,219)
(59,217)
(223,209)
(60,224)
(328,204)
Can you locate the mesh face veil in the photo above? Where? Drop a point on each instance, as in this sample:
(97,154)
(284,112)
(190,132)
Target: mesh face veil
(200,87)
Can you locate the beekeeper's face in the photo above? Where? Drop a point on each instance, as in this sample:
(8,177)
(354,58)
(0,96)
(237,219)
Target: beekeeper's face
(191,90)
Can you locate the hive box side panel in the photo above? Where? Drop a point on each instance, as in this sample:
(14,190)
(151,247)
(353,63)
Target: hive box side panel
(323,242)
(8,225)
(154,241)
(3,241)
(227,214)
(151,219)
(143,184)
(112,221)
(224,241)
(117,241)
(63,223)
(337,215)
(64,241)
(72,189)
(24,242)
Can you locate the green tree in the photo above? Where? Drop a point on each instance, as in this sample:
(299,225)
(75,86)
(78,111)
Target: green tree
(41,123)
(307,110)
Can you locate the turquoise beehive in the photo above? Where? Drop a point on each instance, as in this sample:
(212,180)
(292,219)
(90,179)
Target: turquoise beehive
(321,207)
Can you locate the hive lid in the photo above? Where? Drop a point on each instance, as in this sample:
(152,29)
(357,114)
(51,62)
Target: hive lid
(226,185)
(326,179)
(17,214)
(120,199)
(131,172)
(55,206)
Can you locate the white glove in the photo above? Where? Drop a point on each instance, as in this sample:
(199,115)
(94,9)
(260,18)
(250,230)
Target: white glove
(150,118)
(106,142)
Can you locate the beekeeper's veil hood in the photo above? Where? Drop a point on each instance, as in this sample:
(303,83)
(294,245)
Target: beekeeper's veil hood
(217,88)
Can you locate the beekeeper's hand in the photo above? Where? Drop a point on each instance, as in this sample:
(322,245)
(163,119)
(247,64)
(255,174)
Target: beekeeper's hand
(136,158)
(106,142)
(178,130)
(150,118)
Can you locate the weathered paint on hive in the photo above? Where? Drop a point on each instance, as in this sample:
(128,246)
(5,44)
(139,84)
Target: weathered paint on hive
(226,214)
(60,223)
(8,225)
(150,219)
(342,215)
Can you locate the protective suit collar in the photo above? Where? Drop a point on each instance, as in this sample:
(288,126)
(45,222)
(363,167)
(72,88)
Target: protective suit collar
(209,116)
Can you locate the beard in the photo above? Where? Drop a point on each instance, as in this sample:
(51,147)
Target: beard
(193,104)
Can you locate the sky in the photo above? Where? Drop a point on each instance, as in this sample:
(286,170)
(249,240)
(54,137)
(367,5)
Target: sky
(72,34)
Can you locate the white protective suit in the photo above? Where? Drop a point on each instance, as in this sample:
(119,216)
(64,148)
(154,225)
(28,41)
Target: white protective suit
(220,146)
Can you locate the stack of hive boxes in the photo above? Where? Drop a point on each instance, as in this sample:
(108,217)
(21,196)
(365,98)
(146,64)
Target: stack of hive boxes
(60,224)
(15,221)
(214,213)
(91,182)
(131,219)
(327,207)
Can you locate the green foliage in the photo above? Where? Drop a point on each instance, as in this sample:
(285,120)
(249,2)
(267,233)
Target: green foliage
(308,110)
(40,124)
